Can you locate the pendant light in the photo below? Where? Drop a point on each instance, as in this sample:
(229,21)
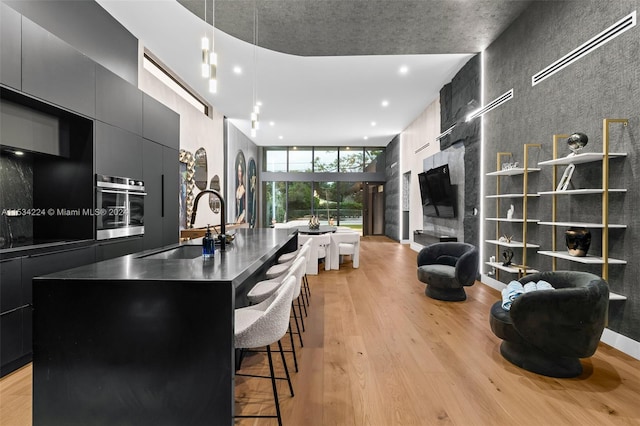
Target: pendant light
(213,56)
(255,113)
(204,45)
(209,57)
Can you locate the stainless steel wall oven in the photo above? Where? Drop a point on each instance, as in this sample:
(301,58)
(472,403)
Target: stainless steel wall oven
(119,207)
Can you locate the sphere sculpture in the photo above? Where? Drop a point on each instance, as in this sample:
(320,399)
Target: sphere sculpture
(577,141)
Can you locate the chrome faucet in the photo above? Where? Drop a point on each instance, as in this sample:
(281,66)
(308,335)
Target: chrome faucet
(223,218)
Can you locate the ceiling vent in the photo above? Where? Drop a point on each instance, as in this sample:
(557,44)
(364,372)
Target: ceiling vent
(605,36)
(491,105)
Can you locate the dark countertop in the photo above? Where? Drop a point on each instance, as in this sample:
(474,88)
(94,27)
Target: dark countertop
(245,255)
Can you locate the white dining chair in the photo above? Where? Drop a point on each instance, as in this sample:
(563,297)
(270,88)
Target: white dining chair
(320,249)
(345,244)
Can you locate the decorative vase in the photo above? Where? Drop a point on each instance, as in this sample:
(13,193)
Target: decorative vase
(578,241)
(507,255)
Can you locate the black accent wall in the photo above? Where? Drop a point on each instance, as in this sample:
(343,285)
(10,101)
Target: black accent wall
(603,84)
(457,99)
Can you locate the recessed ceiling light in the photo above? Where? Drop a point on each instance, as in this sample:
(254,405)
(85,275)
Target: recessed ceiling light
(281,137)
(237,70)
(271,123)
(373,123)
(404,69)
(365,138)
(259,103)
(385,103)
(18,153)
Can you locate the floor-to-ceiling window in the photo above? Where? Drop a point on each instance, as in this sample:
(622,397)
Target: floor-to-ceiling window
(327,182)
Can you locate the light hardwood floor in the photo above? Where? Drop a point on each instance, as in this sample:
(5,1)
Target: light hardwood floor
(377,351)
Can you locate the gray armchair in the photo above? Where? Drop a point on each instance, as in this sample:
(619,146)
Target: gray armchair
(547,331)
(446,268)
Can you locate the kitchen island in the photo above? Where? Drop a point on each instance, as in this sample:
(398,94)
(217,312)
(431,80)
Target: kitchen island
(145,339)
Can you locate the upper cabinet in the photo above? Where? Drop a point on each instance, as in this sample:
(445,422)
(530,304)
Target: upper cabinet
(54,71)
(118,152)
(10,55)
(160,123)
(118,102)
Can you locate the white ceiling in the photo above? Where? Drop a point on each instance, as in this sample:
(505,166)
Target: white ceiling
(317,100)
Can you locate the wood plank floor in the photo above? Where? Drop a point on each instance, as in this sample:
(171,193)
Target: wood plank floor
(377,351)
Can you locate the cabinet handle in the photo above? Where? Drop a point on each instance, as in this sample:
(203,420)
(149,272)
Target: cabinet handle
(58,251)
(162,195)
(10,311)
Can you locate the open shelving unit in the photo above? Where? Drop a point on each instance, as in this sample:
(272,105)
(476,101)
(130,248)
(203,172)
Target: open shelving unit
(518,269)
(605,156)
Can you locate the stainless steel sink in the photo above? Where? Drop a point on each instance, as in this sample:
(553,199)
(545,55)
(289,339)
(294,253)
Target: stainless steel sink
(180,252)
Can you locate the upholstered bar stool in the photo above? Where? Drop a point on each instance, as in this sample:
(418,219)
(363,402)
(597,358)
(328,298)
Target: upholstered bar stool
(264,289)
(281,268)
(262,325)
(290,257)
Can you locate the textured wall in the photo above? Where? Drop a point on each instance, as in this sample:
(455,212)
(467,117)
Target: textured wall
(392,189)
(457,99)
(603,84)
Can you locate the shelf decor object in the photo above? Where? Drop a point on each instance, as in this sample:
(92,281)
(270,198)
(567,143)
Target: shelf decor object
(578,241)
(577,246)
(512,169)
(576,142)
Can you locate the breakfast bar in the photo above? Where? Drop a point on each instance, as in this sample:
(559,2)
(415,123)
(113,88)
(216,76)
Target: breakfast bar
(146,339)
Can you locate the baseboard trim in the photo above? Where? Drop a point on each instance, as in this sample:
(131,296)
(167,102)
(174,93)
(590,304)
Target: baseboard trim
(415,246)
(610,337)
(621,343)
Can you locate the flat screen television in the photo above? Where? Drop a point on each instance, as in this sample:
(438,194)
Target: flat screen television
(438,195)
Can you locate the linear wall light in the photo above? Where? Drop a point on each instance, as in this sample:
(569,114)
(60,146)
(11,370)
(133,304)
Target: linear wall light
(446,132)
(491,105)
(599,40)
(440,136)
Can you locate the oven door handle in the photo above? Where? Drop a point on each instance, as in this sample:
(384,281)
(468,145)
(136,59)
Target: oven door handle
(123,192)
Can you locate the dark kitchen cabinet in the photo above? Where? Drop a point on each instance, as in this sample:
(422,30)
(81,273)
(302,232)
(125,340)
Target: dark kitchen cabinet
(118,152)
(17,289)
(12,309)
(160,123)
(10,47)
(10,284)
(171,210)
(161,205)
(54,71)
(11,349)
(47,263)
(119,247)
(153,203)
(117,101)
